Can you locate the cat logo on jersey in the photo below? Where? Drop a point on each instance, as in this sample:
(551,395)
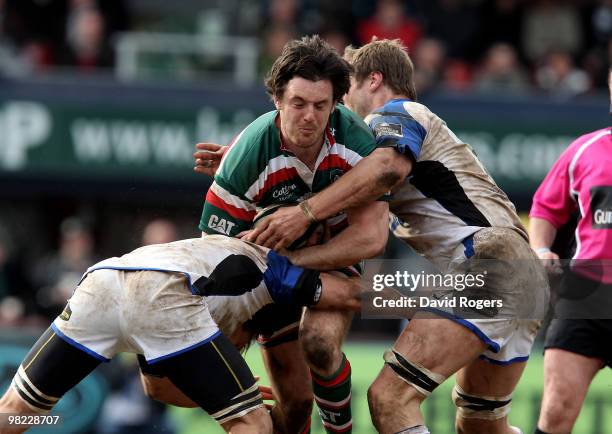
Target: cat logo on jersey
(65,315)
(220,224)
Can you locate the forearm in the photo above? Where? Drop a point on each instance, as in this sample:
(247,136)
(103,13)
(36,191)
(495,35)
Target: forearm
(343,250)
(370,179)
(339,292)
(541,233)
(365,237)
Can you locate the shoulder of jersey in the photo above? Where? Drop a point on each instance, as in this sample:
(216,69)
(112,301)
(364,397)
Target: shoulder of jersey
(345,119)
(257,127)
(408,107)
(581,140)
(253,141)
(399,106)
(343,115)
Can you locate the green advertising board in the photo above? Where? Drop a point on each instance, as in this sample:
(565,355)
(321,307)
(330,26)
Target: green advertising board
(60,139)
(114,134)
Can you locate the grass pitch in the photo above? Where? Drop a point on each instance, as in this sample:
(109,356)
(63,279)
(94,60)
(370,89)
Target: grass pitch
(366,361)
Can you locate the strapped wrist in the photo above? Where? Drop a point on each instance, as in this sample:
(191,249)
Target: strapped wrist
(305,207)
(541,250)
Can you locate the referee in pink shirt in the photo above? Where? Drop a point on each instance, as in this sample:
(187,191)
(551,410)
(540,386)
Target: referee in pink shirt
(576,349)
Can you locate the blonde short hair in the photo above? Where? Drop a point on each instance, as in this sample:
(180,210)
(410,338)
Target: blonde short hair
(390,58)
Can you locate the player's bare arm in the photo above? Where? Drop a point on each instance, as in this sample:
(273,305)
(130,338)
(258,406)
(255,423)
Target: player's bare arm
(370,179)
(339,293)
(365,237)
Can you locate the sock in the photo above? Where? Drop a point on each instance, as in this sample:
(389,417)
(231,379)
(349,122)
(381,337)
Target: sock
(418,429)
(333,397)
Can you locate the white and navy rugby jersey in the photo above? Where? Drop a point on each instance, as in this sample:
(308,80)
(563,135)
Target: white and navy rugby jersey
(449,195)
(236,278)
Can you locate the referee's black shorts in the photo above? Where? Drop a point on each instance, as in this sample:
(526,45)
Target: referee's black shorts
(583,318)
(587,337)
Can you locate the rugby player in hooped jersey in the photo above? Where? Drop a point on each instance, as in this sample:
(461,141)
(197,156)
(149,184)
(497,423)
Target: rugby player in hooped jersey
(180,306)
(449,210)
(283,157)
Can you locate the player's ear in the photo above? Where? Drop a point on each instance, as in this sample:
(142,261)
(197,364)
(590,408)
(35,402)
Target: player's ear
(277,103)
(376,80)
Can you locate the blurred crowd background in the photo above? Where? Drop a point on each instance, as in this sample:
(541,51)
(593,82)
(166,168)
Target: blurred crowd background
(555,46)
(102,101)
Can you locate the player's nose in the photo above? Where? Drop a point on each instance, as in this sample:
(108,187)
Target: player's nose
(309,113)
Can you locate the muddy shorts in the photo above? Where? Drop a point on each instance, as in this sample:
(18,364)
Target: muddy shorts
(515,277)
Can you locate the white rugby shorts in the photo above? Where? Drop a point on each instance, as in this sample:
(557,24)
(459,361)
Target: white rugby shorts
(515,275)
(152,313)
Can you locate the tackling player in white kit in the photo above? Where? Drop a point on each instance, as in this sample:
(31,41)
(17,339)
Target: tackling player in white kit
(180,305)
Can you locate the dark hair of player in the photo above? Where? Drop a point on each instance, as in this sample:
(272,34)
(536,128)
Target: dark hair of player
(312,59)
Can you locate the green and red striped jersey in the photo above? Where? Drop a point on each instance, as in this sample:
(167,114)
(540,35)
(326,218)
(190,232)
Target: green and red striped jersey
(257,171)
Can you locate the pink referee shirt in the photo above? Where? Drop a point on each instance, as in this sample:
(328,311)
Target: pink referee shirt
(582,177)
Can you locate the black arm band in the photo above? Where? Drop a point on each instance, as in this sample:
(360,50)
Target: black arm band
(308,288)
